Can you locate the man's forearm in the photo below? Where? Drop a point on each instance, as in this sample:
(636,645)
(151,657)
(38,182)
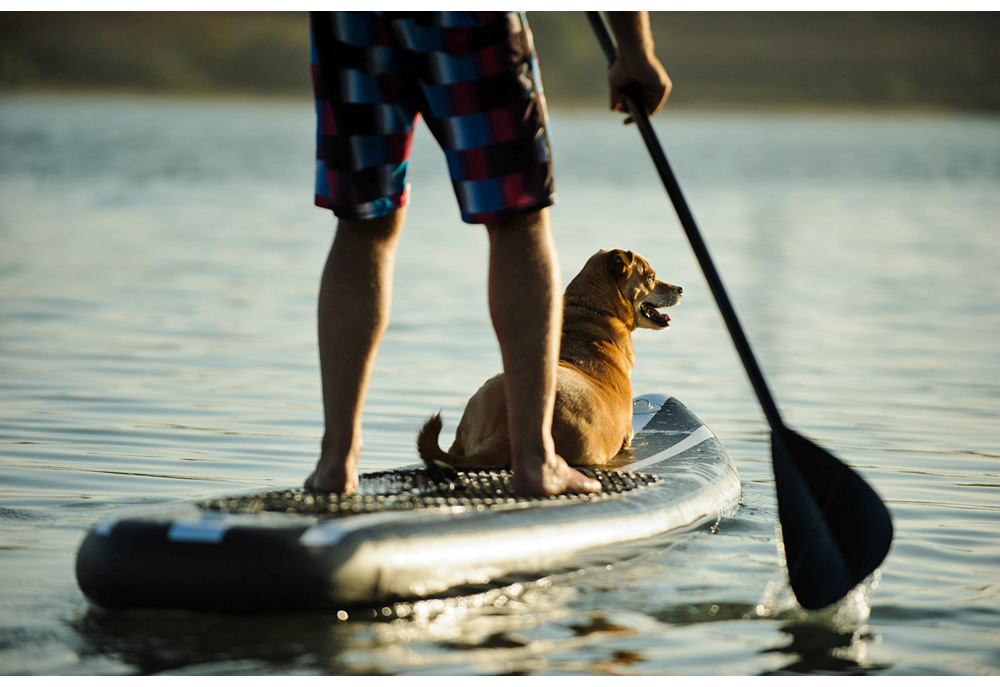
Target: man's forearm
(632,33)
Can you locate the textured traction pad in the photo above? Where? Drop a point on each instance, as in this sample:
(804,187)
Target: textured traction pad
(402,490)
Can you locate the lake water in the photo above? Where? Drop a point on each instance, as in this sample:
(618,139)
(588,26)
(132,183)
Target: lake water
(159,261)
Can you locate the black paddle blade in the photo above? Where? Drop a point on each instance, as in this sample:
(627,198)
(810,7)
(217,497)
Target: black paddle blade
(835,527)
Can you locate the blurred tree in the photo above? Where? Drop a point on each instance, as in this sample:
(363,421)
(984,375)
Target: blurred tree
(716,59)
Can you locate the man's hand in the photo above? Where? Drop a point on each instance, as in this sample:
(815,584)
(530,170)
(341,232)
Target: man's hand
(645,79)
(637,69)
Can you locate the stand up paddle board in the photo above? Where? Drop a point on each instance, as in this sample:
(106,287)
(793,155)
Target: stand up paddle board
(408,533)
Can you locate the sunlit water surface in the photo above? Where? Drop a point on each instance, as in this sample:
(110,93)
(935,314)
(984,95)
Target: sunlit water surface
(159,262)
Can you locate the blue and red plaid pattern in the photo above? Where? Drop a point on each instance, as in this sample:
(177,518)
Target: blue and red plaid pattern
(472,76)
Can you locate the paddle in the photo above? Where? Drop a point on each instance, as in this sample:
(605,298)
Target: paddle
(836,529)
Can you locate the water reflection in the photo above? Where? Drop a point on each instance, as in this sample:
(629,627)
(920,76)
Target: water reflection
(523,628)
(817,650)
(155,643)
(832,640)
(536,627)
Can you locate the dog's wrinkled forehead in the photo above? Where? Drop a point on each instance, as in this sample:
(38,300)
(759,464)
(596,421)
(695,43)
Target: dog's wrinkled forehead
(622,264)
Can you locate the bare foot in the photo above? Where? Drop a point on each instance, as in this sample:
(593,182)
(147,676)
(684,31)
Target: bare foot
(334,484)
(552,477)
(334,476)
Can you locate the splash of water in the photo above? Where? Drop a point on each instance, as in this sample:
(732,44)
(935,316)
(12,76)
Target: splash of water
(846,615)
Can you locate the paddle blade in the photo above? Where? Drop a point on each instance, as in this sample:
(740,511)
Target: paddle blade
(835,527)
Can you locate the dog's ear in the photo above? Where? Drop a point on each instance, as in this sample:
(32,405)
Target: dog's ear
(620,263)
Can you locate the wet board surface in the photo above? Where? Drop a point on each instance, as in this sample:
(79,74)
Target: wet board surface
(408,534)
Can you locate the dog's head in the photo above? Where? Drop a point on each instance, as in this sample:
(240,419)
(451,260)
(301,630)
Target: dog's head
(641,290)
(623,284)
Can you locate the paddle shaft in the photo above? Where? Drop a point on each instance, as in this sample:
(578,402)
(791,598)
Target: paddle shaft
(638,113)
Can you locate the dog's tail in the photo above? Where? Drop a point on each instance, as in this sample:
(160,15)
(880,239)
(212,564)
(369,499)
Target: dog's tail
(436,458)
(427,443)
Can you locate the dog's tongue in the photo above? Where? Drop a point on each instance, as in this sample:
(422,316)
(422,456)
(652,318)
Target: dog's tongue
(655,315)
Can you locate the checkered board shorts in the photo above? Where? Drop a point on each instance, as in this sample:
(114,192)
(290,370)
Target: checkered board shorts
(474,78)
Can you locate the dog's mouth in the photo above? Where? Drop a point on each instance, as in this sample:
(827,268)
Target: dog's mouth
(659,319)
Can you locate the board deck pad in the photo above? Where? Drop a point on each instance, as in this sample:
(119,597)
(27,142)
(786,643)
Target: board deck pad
(409,533)
(411,489)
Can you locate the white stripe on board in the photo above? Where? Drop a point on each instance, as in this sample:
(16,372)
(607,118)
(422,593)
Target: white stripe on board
(104,529)
(207,530)
(701,434)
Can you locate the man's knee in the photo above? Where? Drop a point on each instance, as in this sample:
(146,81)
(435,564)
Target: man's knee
(375,230)
(529,224)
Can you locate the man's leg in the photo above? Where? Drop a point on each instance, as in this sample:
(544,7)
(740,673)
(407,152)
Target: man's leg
(525,296)
(355,300)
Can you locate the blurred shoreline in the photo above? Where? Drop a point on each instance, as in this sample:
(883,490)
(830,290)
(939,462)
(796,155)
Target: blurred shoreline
(756,61)
(804,109)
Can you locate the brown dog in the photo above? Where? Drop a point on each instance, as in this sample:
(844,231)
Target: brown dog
(615,293)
